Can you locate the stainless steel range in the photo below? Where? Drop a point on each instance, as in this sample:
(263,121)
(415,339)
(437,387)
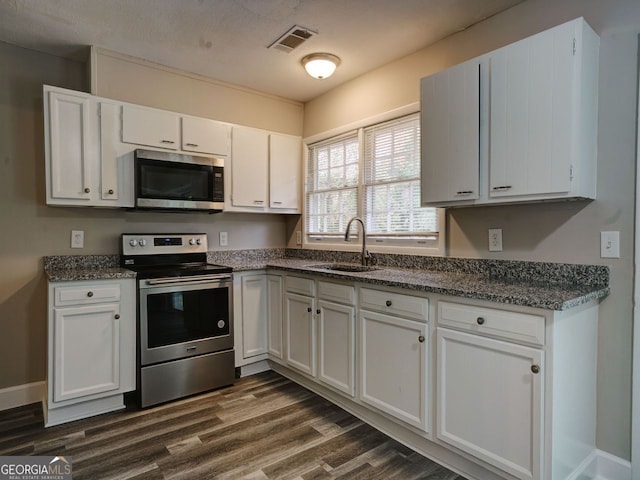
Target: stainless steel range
(185,316)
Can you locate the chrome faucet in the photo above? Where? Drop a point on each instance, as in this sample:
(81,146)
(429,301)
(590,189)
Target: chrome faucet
(365,253)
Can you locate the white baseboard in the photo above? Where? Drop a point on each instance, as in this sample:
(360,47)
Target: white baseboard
(253,368)
(21,395)
(604,466)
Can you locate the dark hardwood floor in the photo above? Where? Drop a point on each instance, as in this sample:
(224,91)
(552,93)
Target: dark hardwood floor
(263,427)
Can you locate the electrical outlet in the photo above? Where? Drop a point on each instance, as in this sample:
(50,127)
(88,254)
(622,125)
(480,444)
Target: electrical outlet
(610,244)
(298,237)
(224,239)
(495,239)
(77,238)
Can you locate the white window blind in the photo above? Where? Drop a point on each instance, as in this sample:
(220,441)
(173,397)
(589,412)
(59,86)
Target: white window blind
(332,185)
(391,180)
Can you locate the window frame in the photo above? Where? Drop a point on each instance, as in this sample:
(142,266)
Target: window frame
(375,243)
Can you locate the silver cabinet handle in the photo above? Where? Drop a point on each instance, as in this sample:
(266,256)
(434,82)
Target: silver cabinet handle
(535,369)
(167,141)
(117,316)
(388,303)
(309,309)
(258,201)
(421,338)
(464,193)
(87,190)
(191,144)
(110,192)
(89,294)
(501,187)
(277,203)
(480,321)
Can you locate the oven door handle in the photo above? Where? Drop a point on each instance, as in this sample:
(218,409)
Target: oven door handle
(193,279)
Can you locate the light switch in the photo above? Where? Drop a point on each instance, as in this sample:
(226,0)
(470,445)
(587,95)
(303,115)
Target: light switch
(610,244)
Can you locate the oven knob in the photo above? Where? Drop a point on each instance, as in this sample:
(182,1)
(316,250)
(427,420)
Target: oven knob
(221,323)
(133,242)
(142,242)
(199,241)
(192,241)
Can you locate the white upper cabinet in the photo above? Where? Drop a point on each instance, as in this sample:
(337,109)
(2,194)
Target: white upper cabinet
(150,127)
(543,108)
(450,128)
(285,181)
(86,164)
(249,167)
(205,136)
(265,172)
(69,152)
(537,127)
(90,144)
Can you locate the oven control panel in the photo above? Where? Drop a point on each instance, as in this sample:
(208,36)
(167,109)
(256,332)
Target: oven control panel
(155,244)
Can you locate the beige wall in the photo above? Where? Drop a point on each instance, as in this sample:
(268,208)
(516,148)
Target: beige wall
(556,232)
(132,80)
(30,230)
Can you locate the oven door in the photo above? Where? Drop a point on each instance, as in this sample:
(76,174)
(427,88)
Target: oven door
(185,316)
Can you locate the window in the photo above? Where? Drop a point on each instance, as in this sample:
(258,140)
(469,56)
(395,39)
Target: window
(373,173)
(332,188)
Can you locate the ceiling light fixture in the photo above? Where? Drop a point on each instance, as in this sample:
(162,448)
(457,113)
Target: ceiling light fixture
(320,65)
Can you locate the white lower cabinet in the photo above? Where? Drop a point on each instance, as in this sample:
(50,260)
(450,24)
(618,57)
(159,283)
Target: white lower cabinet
(336,336)
(393,366)
(91,360)
(490,398)
(511,394)
(301,332)
(257,319)
(275,318)
(254,315)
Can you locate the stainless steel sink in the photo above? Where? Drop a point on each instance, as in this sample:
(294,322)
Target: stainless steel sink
(345,267)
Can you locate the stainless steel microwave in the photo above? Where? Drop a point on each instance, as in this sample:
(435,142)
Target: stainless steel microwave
(172,182)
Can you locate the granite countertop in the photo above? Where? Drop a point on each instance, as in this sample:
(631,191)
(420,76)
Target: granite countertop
(85,267)
(531,284)
(546,296)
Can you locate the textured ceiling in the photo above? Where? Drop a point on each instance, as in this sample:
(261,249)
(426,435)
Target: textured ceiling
(228,39)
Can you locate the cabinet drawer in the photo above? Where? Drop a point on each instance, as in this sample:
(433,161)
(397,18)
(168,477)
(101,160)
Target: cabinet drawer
(336,292)
(394,303)
(523,327)
(85,294)
(301,285)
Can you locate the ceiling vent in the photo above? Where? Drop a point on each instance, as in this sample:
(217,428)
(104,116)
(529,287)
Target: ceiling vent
(294,37)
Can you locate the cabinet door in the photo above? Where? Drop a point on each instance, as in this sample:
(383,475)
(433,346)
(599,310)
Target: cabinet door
(450,131)
(532,132)
(301,337)
(254,315)
(249,167)
(69,154)
(86,351)
(285,165)
(336,352)
(205,136)
(274,297)
(116,159)
(151,127)
(393,364)
(490,401)
(110,180)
